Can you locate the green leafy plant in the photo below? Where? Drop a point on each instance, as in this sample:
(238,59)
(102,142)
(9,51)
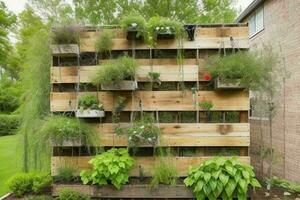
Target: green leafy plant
(283,183)
(134,23)
(206,105)
(89,101)
(25,183)
(104,42)
(68,194)
(154,76)
(245,68)
(65,174)
(165,173)
(115,71)
(9,124)
(60,129)
(112,166)
(65,35)
(221,178)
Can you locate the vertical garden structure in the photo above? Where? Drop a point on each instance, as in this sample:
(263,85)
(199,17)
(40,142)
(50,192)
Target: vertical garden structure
(192,133)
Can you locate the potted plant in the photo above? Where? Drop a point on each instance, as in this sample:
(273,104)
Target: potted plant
(66,131)
(65,40)
(89,107)
(135,27)
(206,106)
(237,71)
(117,75)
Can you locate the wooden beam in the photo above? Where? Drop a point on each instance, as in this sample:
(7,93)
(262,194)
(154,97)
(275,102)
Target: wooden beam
(146,163)
(159,100)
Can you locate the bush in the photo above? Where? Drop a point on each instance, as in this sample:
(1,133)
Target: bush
(65,35)
(115,71)
(68,194)
(104,42)
(9,124)
(221,178)
(89,101)
(112,166)
(165,173)
(65,174)
(25,183)
(60,129)
(134,22)
(9,96)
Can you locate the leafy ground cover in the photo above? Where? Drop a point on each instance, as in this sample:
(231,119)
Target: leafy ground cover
(10,159)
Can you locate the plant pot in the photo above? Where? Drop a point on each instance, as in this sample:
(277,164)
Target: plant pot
(219,84)
(124,85)
(65,49)
(67,143)
(90,113)
(224,128)
(190,29)
(133,35)
(165,36)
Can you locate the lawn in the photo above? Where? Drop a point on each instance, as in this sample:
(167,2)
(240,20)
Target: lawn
(10,159)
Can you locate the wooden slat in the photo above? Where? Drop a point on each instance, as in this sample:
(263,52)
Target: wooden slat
(205,38)
(159,100)
(146,163)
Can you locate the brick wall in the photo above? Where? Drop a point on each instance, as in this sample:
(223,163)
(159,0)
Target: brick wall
(282,28)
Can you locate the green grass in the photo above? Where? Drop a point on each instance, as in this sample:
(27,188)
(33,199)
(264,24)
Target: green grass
(10,159)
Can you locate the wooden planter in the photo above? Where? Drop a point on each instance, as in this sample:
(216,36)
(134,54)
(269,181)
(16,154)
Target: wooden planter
(128,191)
(132,34)
(90,113)
(124,85)
(67,143)
(65,49)
(165,35)
(221,85)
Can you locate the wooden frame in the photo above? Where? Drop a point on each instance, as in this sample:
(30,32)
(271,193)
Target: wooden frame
(222,85)
(90,113)
(124,85)
(64,49)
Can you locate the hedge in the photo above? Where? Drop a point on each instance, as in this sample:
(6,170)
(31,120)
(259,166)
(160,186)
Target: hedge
(8,124)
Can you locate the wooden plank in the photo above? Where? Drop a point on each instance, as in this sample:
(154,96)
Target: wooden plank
(159,100)
(168,69)
(222,32)
(146,163)
(128,191)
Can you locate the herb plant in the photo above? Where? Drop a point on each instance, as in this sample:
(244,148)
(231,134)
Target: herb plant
(68,194)
(112,166)
(89,101)
(104,42)
(134,23)
(221,178)
(65,35)
(115,71)
(206,105)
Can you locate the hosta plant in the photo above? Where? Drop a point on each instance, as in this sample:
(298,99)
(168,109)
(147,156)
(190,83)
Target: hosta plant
(221,177)
(110,167)
(89,101)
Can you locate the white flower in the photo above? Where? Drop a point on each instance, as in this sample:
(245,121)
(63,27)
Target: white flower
(167,28)
(157,28)
(134,132)
(134,24)
(143,126)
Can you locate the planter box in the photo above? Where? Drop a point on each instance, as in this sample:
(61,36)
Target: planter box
(128,191)
(67,143)
(165,36)
(132,35)
(221,85)
(124,85)
(90,113)
(65,49)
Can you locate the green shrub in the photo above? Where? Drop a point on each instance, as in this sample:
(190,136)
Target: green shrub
(154,76)
(65,35)
(104,42)
(25,183)
(112,166)
(165,173)
(68,194)
(135,23)
(206,105)
(221,178)
(60,129)
(283,183)
(89,101)
(116,71)
(9,124)
(65,174)
(9,96)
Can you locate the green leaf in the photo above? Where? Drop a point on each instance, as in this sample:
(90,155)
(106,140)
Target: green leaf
(207,177)
(254,182)
(206,189)
(218,189)
(243,185)
(230,170)
(188,182)
(224,179)
(199,186)
(213,184)
(200,196)
(242,196)
(246,175)
(230,187)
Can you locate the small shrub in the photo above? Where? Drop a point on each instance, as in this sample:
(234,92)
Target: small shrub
(221,178)
(135,23)
(206,105)
(154,76)
(9,124)
(104,42)
(115,71)
(68,194)
(25,183)
(112,166)
(89,101)
(60,129)
(165,173)
(65,35)
(65,174)
(9,97)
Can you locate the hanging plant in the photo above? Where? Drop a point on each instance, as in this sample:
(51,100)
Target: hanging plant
(89,106)
(135,26)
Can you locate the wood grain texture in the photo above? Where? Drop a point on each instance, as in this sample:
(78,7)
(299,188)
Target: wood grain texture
(158,100)
(146,163)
